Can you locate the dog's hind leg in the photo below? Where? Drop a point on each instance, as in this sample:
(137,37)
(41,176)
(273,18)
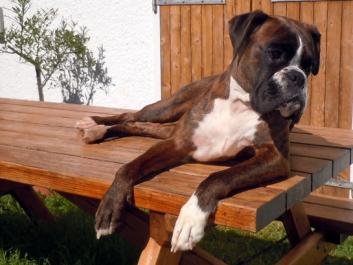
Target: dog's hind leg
(161,156)
(95,133)
(167,110)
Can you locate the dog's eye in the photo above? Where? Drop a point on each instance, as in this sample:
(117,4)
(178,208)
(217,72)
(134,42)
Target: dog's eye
(275,54)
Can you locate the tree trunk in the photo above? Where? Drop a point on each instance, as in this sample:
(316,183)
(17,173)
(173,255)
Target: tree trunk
(39,82)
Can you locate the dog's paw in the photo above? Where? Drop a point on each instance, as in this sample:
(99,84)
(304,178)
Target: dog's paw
(190,225)
(110,209)
(93,134)
(85,123)
(89,131)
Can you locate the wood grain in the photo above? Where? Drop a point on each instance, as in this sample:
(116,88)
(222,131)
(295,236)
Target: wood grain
(333,63)
(346,76)
(280,9)
(185,46)
(165,52)
(318,91)
(307,16)
(207,40)
(46,153)
(217,41)
(196,49)
(330,92)
(229,12)
(175,48)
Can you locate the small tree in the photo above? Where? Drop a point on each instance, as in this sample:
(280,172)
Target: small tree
(81,77)
(50,49)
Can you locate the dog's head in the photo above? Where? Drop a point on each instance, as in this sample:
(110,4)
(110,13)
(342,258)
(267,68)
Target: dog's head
(273,57)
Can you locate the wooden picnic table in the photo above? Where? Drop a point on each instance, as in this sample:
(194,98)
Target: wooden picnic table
(39,147)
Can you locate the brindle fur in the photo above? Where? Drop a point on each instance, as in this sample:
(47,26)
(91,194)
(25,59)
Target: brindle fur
(175,119)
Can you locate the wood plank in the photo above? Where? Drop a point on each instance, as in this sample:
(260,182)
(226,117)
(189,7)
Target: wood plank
(307,16)
(157,250)
(295,187)
(256,5)
(185,49)
(293,10)
(28,200)
(156,254)
(206,40)
(324,131)
(196,38)
(51,111)
(206,257)
(333,191)
(280,9)
(165,51)
(334,17)
(229,12)
(267,6)
(61,106)
(217,39)
(243,6)
(322,141)
(111,152)
(321,170)
(339,157)
(346,69)
(38,129)
(175,47)
(326,218)
(91,178)
(317,85)
(296,223)
(331,201)
(312,250)
(107,151)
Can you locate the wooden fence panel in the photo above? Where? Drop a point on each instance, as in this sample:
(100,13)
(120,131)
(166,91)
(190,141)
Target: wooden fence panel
(208,50)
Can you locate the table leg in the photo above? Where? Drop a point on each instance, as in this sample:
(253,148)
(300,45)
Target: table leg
(296,223)
(157,251)
(136,222)
(27,198)
(309,247)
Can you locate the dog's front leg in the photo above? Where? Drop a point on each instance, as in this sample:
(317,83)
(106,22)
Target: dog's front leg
(266,165)
(160,156)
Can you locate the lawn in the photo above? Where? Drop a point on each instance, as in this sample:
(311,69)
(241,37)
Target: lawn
(71,241)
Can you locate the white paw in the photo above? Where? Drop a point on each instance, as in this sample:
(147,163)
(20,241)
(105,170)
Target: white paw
(103,232)
(190,225)
(85,123)
(93,134)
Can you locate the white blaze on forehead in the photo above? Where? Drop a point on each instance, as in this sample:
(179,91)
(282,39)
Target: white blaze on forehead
(298,55)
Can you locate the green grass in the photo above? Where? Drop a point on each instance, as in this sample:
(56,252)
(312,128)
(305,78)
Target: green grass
(71,241)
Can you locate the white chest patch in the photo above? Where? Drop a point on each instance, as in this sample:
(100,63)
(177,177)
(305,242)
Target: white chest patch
(228,128)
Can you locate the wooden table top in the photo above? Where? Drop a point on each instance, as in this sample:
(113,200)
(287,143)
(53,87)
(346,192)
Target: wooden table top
(39,146)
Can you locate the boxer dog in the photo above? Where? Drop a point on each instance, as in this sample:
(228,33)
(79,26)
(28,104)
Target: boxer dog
(251,106)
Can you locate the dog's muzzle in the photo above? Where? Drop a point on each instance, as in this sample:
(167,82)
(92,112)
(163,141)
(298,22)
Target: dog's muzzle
(291,84)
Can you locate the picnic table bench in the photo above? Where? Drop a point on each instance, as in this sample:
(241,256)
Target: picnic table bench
(39,147)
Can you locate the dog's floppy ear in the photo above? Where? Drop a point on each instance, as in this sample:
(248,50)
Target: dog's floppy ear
(242,26)
(316,36)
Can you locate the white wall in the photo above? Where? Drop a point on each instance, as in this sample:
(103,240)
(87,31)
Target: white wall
(129,32)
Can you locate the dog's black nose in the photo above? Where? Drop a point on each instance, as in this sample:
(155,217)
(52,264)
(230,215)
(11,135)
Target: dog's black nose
(296,77)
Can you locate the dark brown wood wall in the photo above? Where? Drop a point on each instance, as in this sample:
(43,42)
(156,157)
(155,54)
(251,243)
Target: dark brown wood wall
(195,44)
